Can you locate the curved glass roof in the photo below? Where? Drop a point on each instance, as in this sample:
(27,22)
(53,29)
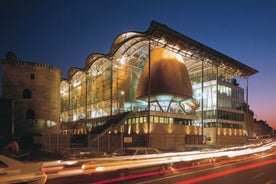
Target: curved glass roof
(133,47)
(161,36)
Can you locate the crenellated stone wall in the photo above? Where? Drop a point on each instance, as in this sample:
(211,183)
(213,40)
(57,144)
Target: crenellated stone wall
(35,89)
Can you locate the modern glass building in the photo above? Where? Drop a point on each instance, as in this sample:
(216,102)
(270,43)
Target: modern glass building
(161,84)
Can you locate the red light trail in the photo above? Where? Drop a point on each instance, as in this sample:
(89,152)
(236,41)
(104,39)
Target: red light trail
(229,171)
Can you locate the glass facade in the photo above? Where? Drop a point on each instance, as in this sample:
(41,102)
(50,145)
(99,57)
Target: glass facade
(222,99)
(98,92)
(111,84)
(108,87)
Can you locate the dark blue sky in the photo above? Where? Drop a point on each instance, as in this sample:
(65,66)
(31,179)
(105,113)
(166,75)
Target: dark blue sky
(63,33)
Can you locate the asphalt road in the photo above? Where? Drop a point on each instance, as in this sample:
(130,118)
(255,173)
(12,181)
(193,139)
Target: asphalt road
(254,169)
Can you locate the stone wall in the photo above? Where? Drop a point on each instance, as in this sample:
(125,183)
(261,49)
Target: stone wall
(42,83)
(224,136)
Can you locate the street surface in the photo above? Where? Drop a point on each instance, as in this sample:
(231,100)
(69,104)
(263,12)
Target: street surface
(257,169)
(254,168)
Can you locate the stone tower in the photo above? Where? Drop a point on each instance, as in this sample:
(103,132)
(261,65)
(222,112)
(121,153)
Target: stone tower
(34,90)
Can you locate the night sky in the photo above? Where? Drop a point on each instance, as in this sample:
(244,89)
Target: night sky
(63,33)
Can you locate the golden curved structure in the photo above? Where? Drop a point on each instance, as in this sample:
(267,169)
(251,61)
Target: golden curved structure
(168,76)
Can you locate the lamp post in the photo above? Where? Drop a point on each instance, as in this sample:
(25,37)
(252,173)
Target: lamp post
(149,92)
(202,85)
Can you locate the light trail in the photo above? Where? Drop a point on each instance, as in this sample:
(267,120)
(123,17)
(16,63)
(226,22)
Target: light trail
(61,168)
(173,170)
(226,172)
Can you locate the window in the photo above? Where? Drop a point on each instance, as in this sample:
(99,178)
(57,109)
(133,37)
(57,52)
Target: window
(32,76)
(27,93)
(30,114)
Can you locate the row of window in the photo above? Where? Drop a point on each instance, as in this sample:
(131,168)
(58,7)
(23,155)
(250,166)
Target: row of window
(159,119)
(165,120)
(211,114)
(222,125)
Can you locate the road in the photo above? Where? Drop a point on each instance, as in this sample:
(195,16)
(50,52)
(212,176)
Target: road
(254,169)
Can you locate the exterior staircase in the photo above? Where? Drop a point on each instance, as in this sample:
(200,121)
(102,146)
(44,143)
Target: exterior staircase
(111,124)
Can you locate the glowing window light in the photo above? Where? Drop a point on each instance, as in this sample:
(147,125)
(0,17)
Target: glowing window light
(76,83)
(145,128)
(123,60)
(129,129)
(164,98)
(179,58)
(162,41)
(62,91)
(186,52)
